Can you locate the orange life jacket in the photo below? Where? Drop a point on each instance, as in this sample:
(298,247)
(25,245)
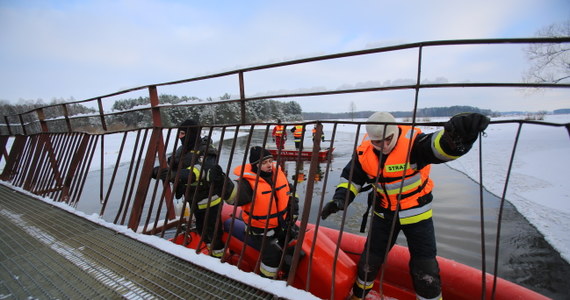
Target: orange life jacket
(265,195)
(298,133)
(416,183)
(279,130)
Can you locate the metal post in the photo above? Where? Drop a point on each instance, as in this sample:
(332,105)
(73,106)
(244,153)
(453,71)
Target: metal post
(242,97)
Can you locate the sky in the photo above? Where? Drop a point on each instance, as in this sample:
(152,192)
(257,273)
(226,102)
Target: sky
(75,50)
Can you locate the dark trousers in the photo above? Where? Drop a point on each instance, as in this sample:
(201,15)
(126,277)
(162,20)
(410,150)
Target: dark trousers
(421,244)
(298,145)
(206,229)
(272,249)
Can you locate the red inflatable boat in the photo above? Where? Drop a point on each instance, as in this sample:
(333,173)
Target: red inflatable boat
(458,281)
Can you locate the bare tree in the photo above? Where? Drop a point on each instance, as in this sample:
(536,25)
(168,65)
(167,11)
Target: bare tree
(550,63)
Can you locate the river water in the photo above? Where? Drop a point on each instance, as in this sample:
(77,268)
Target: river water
(524,256)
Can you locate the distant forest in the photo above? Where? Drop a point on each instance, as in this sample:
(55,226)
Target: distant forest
(422,112)
(130,113)
(217,114)
(133,113)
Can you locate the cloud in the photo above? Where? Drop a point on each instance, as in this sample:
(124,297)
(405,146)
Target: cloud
(84,49)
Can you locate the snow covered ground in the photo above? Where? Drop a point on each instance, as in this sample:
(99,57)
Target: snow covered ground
(536,187)
(277,287)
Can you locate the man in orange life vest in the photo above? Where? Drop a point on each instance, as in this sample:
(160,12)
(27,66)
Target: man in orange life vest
(297,131)
(269,210)
(279,135)
(402,196)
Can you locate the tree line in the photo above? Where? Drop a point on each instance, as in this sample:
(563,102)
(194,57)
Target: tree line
(207,111)
(134,112)
(422,112)
(50,110)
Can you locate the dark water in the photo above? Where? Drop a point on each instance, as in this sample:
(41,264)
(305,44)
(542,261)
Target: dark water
(524,256)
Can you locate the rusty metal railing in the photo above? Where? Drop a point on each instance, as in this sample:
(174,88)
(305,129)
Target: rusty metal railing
(61,165)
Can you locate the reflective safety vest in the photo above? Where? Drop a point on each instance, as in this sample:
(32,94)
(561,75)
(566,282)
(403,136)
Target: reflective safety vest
(322,134)
(202,201)
(397,178)
(279,130)
(265,195)
(298,133)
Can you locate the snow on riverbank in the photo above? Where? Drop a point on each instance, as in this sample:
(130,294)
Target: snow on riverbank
(538,177)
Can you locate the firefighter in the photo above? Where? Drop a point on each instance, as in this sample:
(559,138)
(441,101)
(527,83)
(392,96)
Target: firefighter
(198,171)
(402,192)
(314,132)
(279,135)
(297,131)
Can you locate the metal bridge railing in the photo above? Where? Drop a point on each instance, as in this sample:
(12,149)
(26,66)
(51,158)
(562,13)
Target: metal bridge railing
(62,165)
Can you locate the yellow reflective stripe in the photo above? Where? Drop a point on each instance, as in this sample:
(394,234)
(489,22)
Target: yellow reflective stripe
(217,253)
(196,172)
(417,218)
(437,150)
(232,196)
(348,186)
(381,215)
(365,285)
(267,270)
(380,190)
(409,184)
(212,203)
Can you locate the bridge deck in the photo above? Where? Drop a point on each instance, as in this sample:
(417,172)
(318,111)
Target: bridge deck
(49,253)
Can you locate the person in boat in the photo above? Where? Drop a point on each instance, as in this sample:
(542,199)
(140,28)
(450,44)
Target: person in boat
(297,131)
(315,133)
(403,195)
(269,209)
(194,166)
(279,135)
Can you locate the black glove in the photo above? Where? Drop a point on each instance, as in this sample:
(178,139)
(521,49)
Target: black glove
(465,128)
(159,173)
(330,208)
(155,172)
(180,190)
(215,174)
(163,175)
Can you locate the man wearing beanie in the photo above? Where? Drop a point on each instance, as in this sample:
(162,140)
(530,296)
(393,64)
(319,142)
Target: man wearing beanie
(401,196)
(263,188)
(194,165)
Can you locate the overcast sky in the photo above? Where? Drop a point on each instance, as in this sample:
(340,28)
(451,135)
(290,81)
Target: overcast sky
(76,49)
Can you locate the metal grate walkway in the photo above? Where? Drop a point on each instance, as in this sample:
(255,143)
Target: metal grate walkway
(48,253)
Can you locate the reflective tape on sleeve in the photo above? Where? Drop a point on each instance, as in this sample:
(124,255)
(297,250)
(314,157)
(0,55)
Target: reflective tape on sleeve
(436,147)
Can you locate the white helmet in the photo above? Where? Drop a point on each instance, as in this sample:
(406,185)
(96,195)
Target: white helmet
(377,132)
